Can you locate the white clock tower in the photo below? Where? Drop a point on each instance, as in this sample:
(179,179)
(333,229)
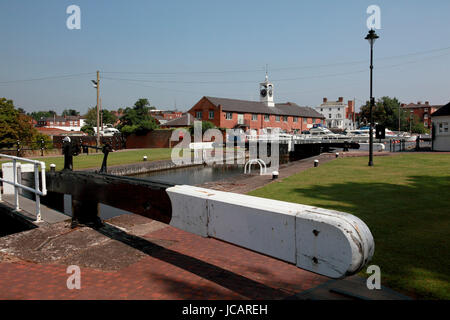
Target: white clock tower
(266,92)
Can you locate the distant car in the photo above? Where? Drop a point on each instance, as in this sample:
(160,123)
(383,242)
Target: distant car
(306,132)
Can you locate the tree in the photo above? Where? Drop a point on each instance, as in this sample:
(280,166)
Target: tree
(37,115)
(88,129)
(137,119)
(205,126)
(386,113)
(70,112)
(91,117)
(14,125)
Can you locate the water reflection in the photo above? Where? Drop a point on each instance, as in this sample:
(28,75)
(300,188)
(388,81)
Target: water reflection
(194,175)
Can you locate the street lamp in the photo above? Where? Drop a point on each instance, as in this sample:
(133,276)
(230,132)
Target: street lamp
(371,37)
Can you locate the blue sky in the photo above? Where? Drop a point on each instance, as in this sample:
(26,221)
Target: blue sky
(312,48)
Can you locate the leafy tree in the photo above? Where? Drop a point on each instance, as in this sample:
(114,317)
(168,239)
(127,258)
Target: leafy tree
(205,126)
(88,129)
(14,125)
(37,141)
(91,117)
(137,119)
(37,115)
(70,112)
(386,112)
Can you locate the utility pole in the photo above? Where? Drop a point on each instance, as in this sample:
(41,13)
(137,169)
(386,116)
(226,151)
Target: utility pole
(98,113)
(101,114)
(399,118)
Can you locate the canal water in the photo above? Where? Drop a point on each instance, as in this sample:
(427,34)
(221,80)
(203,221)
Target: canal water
(194,175)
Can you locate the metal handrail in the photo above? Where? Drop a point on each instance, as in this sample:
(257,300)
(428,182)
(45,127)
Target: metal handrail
(262,166)
(17,185)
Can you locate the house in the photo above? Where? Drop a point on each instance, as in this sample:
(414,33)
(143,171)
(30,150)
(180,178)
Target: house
(256,115)
(441,133)
(186,120)
(51,132)
(338,114)
(67,123)
(422,111)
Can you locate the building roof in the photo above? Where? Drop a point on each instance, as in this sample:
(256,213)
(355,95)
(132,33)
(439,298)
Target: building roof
(420,105)
(57,132)
(282,109)
(61,118)
(442,111)
(183,121)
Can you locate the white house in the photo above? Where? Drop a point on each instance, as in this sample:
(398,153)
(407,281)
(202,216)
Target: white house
(441,132)
(338,114)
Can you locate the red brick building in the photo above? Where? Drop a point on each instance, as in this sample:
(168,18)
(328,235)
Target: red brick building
(256,115)
(232,113)
(422,111)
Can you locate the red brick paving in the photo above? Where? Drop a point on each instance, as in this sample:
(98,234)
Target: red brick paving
(192,267)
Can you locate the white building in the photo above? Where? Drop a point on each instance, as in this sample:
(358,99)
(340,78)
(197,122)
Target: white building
(441,130)
(338,114)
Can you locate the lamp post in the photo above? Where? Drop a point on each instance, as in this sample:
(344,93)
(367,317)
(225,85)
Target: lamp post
(371,37)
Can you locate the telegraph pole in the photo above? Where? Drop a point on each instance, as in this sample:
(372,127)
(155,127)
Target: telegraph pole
(98,113)
(101,114)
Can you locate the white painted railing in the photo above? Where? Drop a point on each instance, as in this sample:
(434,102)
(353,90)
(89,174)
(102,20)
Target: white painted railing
(262,166)
(18,186)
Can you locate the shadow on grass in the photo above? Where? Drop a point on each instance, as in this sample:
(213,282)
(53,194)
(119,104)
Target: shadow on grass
(409,222)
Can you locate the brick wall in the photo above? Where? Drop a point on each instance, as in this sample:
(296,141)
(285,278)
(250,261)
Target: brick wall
(153,139)
(219,120)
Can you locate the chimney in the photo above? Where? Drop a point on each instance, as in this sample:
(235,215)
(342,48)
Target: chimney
(419,102)
(350,106)
(341,99)
(325,100)
(427,103)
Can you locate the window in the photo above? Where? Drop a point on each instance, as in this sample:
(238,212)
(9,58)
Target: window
(295,119)
(425,124)
(211,115)
(198,114)
(329,116)
(266,117)
(321,109)
(229,116)
(254,117)
(425,109)
(330,109)
(339,109)
(443,127)
(338,116)
(277,118)
(305,121)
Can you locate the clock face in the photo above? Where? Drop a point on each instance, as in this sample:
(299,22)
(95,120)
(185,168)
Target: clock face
(263,92)
(270,92)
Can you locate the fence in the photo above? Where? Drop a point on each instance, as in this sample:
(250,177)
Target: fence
(17,185)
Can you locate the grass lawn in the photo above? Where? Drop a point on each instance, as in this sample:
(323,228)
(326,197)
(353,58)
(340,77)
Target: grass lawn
(94,160)
(405,201)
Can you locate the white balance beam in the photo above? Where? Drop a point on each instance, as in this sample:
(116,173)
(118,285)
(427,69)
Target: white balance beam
(327,242)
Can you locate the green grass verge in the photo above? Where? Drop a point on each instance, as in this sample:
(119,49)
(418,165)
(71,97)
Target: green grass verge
(404,200)
(94,160)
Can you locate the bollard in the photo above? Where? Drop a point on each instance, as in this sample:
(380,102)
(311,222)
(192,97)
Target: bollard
(52,167)
(337,154)
(274,175)
(145,158)
(316,163)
